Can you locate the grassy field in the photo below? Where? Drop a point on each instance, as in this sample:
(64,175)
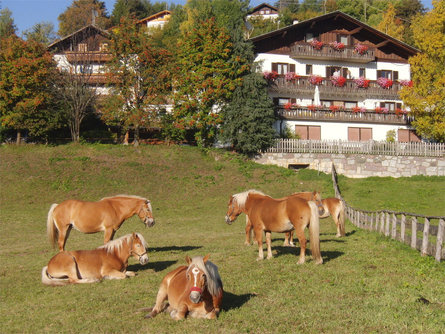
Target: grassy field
(367,284)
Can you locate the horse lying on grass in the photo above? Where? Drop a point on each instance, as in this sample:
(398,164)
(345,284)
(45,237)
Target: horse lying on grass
(278,215)
(109,261)
(195,290)
(106,215)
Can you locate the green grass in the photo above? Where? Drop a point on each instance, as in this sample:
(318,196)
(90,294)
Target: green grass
(367,284)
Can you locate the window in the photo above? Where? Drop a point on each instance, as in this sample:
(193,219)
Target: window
(82,47)
(405,135)
(343,39)
(393,75)
(85,69)
(326,104)
(308,132)
(283,68)
(103,47)
(359,134)
(362,72)
(350,105)
(309,37)
(308,69)
(391,106)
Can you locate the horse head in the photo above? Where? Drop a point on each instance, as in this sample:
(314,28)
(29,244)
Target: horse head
(233,211)
(146,214)
(196,277)
(138,248)
(316,197)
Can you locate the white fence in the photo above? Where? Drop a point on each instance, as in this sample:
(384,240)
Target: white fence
(358,147)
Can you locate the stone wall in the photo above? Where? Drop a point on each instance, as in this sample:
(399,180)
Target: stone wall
(358,166)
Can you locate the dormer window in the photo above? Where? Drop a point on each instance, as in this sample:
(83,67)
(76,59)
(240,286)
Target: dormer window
(343,39)
(103,47)
(82,47)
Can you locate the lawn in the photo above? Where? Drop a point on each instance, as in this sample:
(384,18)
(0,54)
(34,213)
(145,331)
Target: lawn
(367,284)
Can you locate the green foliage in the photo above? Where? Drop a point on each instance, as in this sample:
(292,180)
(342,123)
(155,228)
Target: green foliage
(41,32)
(27,74)
(426,98)
(249,117)
(7,26)
(391,136)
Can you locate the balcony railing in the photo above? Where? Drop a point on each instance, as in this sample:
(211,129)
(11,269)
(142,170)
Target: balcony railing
(302,86)
(88,57)
(327,115)
(306,51)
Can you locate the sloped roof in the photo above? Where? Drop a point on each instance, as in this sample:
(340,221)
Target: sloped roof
(90,29)
(323,23)
(154,16)
(254,9)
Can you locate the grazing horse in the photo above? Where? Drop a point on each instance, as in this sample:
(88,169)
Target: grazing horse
(308,196)
(277,215)
(106,215)
(87,266)
(332,207)
(195,290)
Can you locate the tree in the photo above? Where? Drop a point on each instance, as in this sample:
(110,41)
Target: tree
(42,33)
(27,74)
(426,98)
(7,26)
(249,117)
(208,74)
(139,77)
(128,8)
(82,13)
(391,25)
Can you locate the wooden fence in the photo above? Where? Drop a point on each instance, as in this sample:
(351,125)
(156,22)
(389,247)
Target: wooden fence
(427,237)
(358,147)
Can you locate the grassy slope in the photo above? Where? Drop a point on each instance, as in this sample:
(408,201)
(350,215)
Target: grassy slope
(367,283)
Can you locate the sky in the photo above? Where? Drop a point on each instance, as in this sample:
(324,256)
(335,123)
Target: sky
(26,13)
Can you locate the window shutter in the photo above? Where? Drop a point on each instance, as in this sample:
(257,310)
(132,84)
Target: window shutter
(275,101)
(293,101)
(275,67)
(395,75)
(379,74)
(292,68)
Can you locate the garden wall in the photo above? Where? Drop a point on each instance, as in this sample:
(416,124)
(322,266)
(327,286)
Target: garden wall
(359,165)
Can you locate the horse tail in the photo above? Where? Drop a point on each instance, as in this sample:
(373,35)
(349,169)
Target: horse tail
(47,280)
(51,228)
(314,231)
(341,219)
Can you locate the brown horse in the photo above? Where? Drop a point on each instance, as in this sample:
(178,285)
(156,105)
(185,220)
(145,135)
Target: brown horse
(332,207)
(87,266)
(277,215)
(195,290)
(308,196)
(106,215)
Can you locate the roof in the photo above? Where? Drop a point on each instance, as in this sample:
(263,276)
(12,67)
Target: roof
(154,16)
(83,30)
(254,9)
(361,29)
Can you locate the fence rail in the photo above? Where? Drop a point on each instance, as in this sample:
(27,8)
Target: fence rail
(402,226)
(358,147)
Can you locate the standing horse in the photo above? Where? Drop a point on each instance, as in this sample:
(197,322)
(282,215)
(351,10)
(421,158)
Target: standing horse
(277,215)
(106,215)
(308,196)
(195,290)
(332,207)
(87,266)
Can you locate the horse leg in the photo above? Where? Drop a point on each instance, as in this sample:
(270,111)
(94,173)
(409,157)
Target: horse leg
(109,273)
(248,231)
(259,240)
(180,313)
(108,234)
(337,223)
(302,240)
(161,297)
(64,233)
(269,248)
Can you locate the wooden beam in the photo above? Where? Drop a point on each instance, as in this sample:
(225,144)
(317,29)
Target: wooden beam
(382,44)
(356,30)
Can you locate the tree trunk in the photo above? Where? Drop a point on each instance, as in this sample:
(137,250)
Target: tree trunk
(127,135)
(136,136)
(19,137)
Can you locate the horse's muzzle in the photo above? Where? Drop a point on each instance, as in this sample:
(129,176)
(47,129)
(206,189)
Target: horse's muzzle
(149,222)
(321,211)
(228,221)
(195,297)
(143,259)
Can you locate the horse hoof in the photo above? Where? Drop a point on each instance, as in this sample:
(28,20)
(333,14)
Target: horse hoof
(259,259)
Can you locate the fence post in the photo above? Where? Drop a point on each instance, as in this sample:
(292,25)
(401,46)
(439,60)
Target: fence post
(371,227)
(402,228)
(426,230)
(382,222)
(387,224)
(440,233)
(394,226)
(414,232)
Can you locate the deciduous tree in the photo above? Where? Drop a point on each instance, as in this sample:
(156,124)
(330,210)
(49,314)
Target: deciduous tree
(426,98)
(390,24)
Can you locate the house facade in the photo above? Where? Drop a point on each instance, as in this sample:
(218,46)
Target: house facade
(265,11)
(84,54)
(155,21)
(335,78)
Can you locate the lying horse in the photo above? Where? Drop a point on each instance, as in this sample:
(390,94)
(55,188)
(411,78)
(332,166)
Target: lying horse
(195,290)
(308,196)
(277,215)
(87,266)
(106,215)
(332,207)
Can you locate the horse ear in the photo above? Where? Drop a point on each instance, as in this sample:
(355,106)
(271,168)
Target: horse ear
(206,258)
(188,259)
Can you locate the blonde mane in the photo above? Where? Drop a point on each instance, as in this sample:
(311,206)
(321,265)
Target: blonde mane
(126,196)
(241,198)
(214,283)
(113,245)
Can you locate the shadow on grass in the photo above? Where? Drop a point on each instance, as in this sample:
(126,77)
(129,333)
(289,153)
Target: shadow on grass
(155,266)
(173,248)
(232,301)
(350,233)
(327,255)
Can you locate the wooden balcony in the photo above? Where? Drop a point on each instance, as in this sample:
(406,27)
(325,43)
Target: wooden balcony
(87,57)
(348,54)
(301,87)
(326,115)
